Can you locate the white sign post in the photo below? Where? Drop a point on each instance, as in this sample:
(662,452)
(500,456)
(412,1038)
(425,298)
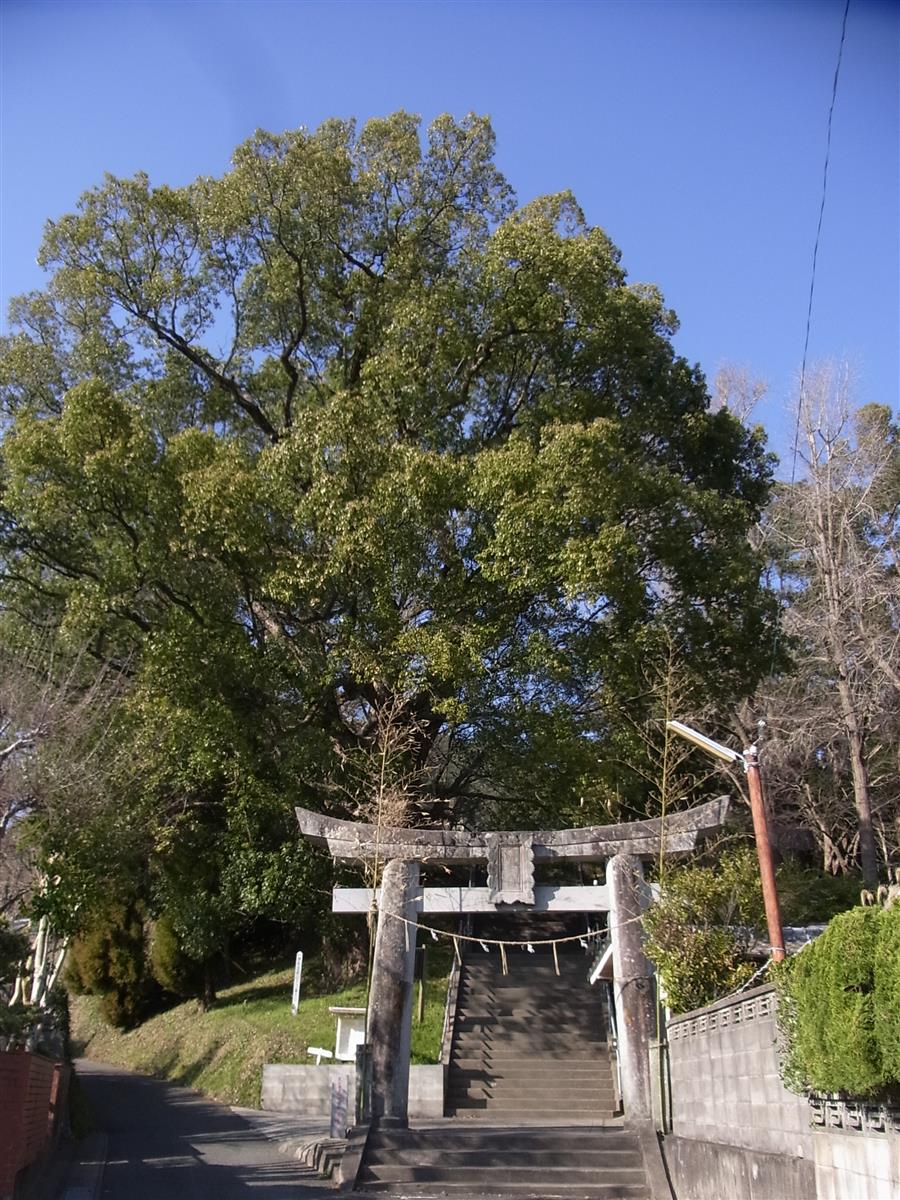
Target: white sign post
(298,971)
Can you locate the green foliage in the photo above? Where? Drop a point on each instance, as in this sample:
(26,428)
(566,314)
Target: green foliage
(809,897)
(13,949)
(343,433)
(886,995)
(109,959)
(174,970)
(697,932)
(836,987)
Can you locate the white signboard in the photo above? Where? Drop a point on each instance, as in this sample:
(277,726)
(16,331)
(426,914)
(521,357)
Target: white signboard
(298,971)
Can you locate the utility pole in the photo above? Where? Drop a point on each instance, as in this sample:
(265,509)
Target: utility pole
(750,762)
(764,853)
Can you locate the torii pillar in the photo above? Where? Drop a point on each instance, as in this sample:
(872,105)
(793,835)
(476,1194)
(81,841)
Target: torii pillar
(632,984)
(391,993)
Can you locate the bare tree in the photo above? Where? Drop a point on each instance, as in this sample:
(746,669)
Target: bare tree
(737,389)
(835,536)
(57,759)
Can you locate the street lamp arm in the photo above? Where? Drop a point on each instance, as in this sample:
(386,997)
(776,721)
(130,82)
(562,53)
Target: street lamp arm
(704,742)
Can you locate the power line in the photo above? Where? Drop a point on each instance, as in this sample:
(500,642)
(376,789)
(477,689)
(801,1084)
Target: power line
(812,289)
(812,281)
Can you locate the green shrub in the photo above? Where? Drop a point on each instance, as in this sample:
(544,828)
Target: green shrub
(14,948)
(887,992)
(172,968)
(698,930)
(809,896)
(832,989)
(109,960)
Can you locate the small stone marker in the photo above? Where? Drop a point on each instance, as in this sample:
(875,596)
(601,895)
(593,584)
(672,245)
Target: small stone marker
(340,1104)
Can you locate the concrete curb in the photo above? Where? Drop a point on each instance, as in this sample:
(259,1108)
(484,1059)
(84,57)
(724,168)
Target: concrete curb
(85,1176)
(322,1154)
(351,1160)
(654,1163)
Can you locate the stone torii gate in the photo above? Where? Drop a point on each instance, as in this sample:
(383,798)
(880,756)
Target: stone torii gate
(510,857)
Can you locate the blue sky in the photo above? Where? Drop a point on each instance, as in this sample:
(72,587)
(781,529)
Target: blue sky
(693,132)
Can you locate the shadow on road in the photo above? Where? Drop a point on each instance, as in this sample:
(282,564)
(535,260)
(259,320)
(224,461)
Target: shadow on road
(168,1143)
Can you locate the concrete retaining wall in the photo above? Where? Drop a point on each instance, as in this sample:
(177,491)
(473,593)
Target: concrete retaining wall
(288,1087)
(738,1132)
(713,1171)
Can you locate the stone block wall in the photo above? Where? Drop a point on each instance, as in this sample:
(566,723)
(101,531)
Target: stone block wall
(290,1087)
(736,1131)
(725,1085)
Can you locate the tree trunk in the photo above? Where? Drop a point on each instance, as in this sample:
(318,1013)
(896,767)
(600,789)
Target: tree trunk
(208,994)
(829,554)
(868,854)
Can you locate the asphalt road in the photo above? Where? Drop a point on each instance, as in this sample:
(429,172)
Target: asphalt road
(169,1143)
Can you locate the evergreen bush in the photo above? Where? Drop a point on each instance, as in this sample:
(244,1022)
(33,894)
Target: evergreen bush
(13,949)
(110,960)
(172,968)
(832,993)
(698,930)
(887,992)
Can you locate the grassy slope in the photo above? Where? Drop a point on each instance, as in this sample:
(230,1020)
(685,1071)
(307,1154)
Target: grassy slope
(221,1052)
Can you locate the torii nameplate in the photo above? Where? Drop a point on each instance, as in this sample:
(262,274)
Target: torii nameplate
(510,873)
(593,843)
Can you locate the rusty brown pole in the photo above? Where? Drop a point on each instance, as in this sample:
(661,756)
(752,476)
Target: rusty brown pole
(764,853)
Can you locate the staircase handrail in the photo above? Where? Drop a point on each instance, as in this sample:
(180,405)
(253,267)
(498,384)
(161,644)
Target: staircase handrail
(465,927)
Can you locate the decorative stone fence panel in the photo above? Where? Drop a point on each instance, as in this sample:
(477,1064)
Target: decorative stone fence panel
(736,1131)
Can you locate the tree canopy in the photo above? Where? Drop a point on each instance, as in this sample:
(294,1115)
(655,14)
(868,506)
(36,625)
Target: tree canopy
(344,433)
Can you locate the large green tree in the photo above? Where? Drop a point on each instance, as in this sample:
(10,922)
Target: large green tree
(358,467)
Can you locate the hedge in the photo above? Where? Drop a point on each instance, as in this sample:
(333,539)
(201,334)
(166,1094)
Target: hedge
(841,997)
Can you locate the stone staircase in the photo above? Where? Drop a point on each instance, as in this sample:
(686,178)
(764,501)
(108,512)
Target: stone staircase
(529,1046)
(473,1159)
(530,1105)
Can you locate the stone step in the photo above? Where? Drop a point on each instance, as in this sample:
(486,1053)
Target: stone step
(494,1190)
(519,963)
(519,1074)
(559,1107)
(496,1027)
(524,1117)
(531,1049)
(492,1024)
(449,1161)
(529,1067)
(570,1021)
(565,1097)
(504,1173)
(569,1139)
(520,970)
(512,1085)
(569,1044)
